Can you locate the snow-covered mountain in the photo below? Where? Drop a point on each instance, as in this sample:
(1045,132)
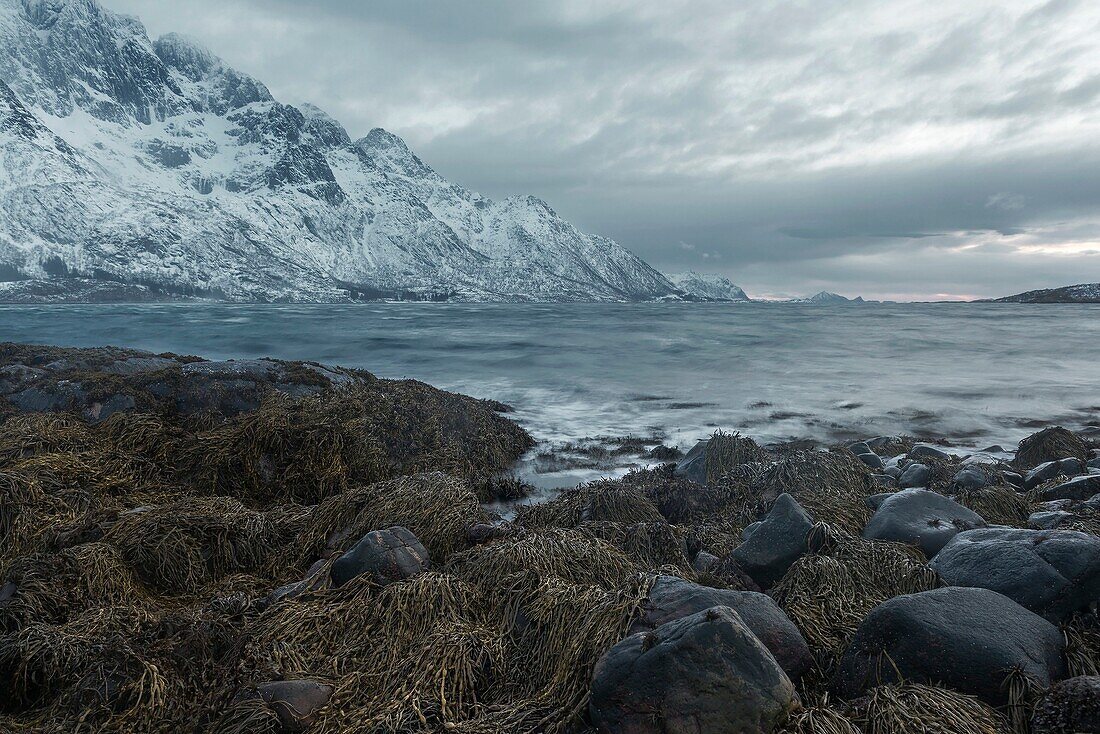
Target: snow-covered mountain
(825,297)
(707,287)
(153,164)
(1083,293)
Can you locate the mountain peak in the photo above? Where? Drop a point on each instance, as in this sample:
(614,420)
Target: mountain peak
(185,175)
(709,287)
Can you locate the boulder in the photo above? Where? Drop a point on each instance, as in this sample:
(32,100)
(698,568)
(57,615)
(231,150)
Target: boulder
(1079,488)
(1062,467)
(704,562)
(971,478)
(1051,572)
(1049,519)
(777,542)
(386,555)
(915,475)
(928,451)
(1070,707)
(694,464)
(672,598)
(860,447)
(295,702)
(922,518)
(871,460)
(1094,463)
(963,638)
(706,672)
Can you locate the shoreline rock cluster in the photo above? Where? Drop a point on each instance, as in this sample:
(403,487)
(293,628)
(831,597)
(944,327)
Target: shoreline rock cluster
(263,547)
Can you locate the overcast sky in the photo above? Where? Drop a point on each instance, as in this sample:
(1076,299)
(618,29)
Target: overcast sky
(891,148)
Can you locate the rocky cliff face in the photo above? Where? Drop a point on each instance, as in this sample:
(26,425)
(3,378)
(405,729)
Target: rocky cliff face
(154,164)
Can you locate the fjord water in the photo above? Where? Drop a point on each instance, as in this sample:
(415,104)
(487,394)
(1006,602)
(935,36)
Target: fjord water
(973,373)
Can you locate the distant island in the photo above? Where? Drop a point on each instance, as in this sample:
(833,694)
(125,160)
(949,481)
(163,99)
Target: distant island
(1082,293)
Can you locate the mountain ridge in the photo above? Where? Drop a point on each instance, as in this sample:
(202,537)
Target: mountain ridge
(1080,293)
(155,164)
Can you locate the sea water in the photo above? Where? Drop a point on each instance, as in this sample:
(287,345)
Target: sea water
(669,373)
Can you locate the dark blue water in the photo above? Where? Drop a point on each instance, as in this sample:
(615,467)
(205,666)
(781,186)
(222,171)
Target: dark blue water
(976,373)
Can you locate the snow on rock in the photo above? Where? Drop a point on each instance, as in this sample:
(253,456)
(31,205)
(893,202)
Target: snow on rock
(707,287)
(154,164)
(1083,293)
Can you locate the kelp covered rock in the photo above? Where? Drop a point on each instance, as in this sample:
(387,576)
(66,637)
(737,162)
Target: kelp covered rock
(706,672)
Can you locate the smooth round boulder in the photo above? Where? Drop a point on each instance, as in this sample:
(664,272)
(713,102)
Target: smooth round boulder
(915,475)
(295,702)
(706,672)
(971,478)
(386,556)
(671,597)
(922,518)
(1071,706)
(1054,573)
(928,451)
(776,542)
(964,638)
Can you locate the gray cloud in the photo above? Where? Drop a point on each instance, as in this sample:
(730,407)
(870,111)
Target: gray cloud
(889,148)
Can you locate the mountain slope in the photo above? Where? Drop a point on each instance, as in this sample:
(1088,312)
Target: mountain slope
(708,287)
(156,164)
(1083,293)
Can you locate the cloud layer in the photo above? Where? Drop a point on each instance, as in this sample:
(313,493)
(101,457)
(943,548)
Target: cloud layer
(894,148)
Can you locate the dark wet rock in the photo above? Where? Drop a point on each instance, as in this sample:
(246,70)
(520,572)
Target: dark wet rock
(1071,706)
(694,464)
(672,598)
(7,592)
(483,532)
(872,460)
(704,562)
(915,475)
(296,702)
(885,480)
(1051,572)
(1094,463)
(706,672)
(776,543)
(1049,519)
(1063,467)
(860,447)
(314,580)
(922,518)
(1079,488)
(971,477)
(963,638)
(875,501)
(927,451)
(386,556)
(1016,480)
(893,471)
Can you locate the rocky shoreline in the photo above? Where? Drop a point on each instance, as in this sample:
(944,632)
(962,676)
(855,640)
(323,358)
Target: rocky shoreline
(262,546)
